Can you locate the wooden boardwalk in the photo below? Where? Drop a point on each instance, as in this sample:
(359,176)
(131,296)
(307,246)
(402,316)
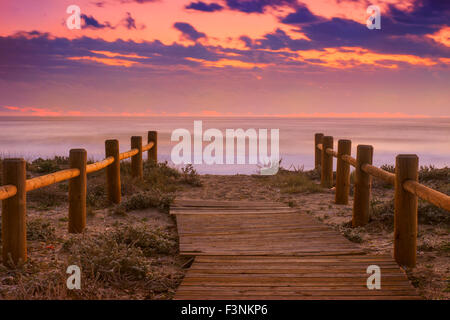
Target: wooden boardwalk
(264,250)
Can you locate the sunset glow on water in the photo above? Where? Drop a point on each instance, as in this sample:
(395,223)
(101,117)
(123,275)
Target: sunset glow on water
(47,137)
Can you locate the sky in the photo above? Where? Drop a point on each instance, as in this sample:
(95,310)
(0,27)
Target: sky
(285,58)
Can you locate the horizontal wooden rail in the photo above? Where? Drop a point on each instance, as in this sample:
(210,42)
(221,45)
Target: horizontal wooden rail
(379,173)
(93,167)
(148,146)
(349,159)
(13,194)
(331,152)
(128,154)
(407,189)
(52,178)
(437,198)
(7,192)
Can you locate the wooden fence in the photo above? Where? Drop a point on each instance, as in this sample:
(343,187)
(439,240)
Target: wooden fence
(406,186)
(14,199)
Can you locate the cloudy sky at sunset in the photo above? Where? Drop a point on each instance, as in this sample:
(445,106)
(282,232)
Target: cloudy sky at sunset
(225,57)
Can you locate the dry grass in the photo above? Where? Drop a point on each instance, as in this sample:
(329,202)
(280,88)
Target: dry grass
(293,181)
(132,256)
(296,182)
(44,166)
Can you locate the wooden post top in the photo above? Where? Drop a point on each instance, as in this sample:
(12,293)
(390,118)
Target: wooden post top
(78,151)
(365,147)
(407,156)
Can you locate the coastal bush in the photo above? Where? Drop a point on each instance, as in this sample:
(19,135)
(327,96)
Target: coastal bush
(161,175)
(353,234)
(40,230)
(190,176)
(295,182)
(151,242)
(153,198)
(383,211)
(103,258)
(427,173)
(47,197)
(430,214)
(96,194)
(47,165)
(121,254)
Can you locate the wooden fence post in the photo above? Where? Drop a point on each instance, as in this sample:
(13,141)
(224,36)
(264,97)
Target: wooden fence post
(327,163)
(113,171)
(405,212)
(153,152)
(77,191)
(14,226)
(361,199)
(317,153)
(343,172)
(136,160)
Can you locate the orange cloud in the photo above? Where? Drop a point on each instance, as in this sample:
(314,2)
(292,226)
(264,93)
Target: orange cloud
(211,113)
(115,54)
(349,57)
(32,111)
(222,63)
(12,108)
(442,36)
(107,61)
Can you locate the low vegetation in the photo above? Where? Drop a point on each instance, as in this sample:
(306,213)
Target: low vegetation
(127,257)
(40,230)
(47,165)
(153,198)
(293,181)
(131,256)
(156,190)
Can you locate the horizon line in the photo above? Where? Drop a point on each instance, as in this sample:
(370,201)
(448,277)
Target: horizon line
(46,113)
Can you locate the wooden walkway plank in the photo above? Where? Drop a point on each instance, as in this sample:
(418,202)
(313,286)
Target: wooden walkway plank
(264,250)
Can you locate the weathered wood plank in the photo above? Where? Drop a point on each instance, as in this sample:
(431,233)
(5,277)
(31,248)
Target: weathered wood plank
(254,250)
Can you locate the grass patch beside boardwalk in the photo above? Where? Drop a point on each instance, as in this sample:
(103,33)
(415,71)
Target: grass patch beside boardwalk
(295,182)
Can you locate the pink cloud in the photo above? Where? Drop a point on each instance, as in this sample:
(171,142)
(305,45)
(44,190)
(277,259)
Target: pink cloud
(32,111)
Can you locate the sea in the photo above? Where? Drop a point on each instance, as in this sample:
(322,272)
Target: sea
(46,137)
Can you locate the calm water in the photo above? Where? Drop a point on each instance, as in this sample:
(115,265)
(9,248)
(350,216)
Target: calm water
(45,137)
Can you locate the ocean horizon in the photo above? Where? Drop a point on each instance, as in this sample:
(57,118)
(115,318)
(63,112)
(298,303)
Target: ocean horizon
(46,137)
